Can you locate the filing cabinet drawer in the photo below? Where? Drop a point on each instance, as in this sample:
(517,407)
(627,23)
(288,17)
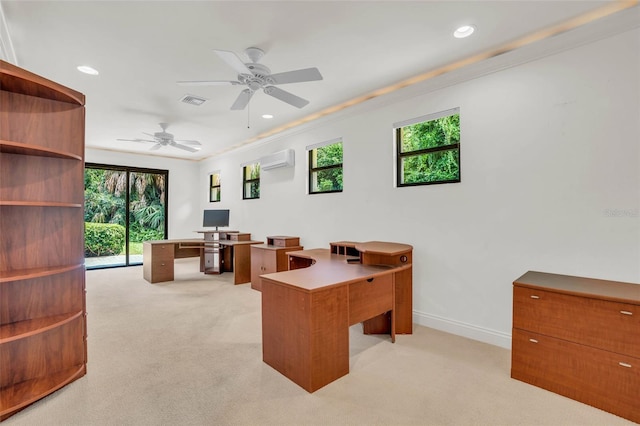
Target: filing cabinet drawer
(603,379)
(605,324)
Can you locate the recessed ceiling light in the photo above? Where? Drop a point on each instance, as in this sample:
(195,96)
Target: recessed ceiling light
(464,31)
(88,70)
(267,116)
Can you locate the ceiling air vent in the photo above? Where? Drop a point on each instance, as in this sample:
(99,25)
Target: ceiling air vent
(193,100)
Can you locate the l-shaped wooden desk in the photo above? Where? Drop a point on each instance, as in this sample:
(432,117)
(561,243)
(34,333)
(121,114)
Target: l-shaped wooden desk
(307,311)
(158,257)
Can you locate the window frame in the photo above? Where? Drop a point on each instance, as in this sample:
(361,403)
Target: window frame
(314,170)
(212,186)
(400,156)
(245,181)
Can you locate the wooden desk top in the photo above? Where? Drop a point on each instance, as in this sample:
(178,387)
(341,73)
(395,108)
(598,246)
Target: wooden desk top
(201,241)
(328,270)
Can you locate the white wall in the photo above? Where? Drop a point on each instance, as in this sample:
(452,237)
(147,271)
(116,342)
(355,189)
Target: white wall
(185,213)
(550,166)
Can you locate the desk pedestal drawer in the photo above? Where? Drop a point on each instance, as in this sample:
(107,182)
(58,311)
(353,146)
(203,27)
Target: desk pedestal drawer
(603,379)
(370,298)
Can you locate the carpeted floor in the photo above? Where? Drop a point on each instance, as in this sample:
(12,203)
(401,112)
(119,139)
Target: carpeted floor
(188,352)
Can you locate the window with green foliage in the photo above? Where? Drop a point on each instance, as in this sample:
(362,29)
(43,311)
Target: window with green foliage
(214,187)
(251,181)
(325,167)
(428,149)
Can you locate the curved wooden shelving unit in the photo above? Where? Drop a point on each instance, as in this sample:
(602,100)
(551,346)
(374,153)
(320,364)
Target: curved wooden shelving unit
(25,274)
(23,329)
(21,395)
(42,278)
(9,147)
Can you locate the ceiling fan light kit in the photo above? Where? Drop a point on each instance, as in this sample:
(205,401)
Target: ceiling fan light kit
(257,76)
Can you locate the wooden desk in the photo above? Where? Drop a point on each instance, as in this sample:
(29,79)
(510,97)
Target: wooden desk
(158,257)
(307,312)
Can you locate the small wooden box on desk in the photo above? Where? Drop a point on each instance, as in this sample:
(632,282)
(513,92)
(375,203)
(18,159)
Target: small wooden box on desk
(271,257)
(579,337)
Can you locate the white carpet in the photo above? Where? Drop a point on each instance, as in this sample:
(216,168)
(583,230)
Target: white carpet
(189,352)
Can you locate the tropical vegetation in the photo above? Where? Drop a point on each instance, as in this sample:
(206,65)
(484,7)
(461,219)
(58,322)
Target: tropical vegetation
(433,151)
(328,159)
(105,203)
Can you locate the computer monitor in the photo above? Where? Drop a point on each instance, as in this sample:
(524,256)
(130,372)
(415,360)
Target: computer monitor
(215,218)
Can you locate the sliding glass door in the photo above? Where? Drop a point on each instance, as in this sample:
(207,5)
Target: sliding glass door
(124,206)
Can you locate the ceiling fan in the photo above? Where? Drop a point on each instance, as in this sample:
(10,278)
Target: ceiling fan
(166,139)
(257,76)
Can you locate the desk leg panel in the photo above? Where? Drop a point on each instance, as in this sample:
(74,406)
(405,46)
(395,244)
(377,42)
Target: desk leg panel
(305,336)
(329,336)
(403,301)
(241,264)
(285,325)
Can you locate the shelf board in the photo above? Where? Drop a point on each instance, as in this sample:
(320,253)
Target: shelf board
(17,80)
(38,204)
(30,149)
(25,274)
(22,329)
(18,396)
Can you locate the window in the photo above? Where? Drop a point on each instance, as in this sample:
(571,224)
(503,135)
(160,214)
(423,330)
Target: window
(214,187)
(325,167)
(428,149)
(123,207)
(251,181)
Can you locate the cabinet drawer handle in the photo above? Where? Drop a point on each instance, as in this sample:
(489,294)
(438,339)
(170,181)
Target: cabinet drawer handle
(626,313)
(624,364)
(369,280)
(533,340)
(533,296)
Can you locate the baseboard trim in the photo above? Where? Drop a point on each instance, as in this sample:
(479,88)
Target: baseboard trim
(459,328)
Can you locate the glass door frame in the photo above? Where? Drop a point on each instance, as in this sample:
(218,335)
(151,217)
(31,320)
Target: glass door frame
(129,170)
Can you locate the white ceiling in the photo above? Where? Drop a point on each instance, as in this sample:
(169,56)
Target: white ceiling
(141,49)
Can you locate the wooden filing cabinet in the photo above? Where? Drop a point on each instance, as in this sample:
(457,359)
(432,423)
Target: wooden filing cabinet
(160,268)
(271,257)
(580,338)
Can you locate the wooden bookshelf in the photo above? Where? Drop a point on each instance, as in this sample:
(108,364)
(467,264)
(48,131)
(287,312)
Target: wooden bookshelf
(42,274)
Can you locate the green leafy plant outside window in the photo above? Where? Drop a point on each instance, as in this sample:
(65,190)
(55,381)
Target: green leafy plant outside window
(214,187)
(429,152)
(251,181)
(325,169)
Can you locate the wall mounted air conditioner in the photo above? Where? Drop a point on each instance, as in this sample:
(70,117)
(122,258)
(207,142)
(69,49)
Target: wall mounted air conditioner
(283,158)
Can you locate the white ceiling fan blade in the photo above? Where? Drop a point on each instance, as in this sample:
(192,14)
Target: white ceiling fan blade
(149,134)
(188,142)
(156,147)
(233,61)
(186,148)
(208,83)
(297,76)
(135,140)
(285,96)
(243,99)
